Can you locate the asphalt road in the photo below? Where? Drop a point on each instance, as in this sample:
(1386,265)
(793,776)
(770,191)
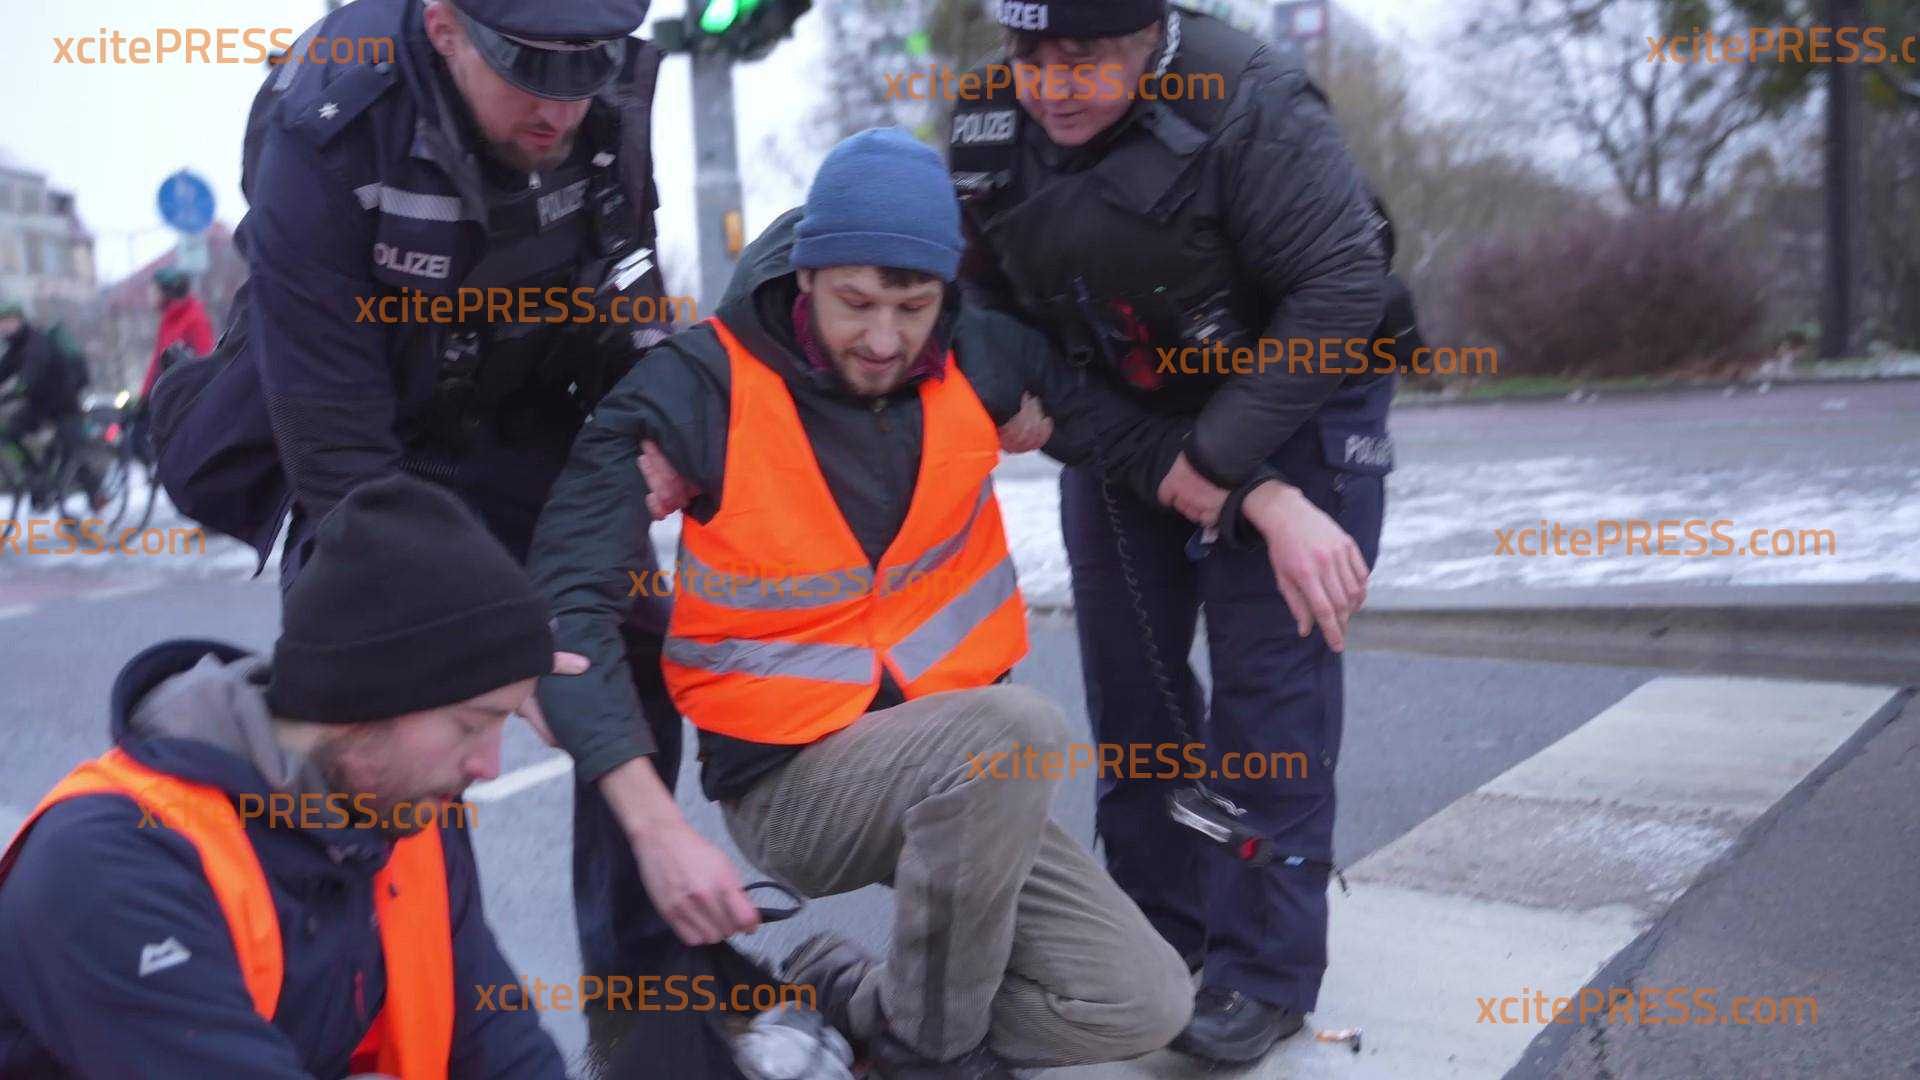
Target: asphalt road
(1420,733)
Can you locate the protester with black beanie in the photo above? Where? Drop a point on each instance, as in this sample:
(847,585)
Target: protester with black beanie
(269,874)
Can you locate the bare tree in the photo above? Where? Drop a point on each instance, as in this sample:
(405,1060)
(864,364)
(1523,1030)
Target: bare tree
(1664,129)
(1893,216)
(1447,183)
(868,55)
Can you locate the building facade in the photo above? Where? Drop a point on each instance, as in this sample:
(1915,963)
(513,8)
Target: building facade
(46,254)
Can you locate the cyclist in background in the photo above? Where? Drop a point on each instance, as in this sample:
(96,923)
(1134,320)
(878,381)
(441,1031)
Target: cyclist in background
(48,373)
(183,321)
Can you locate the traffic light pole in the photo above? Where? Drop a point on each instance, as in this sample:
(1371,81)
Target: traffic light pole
(1844,195)
(716,178)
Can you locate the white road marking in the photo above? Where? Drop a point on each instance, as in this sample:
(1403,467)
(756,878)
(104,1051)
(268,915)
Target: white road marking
(1532,883)
(16,610)
(521,779)
(114,592)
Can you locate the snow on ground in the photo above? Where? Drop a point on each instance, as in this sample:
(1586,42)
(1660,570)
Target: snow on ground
(1440,523)
(1440,527)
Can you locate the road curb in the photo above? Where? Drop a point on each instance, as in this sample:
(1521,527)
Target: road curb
(1587,394)
(1845,633)
(1866,633)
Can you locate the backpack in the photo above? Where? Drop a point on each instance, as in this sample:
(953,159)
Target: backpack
(229,479)
(69,362)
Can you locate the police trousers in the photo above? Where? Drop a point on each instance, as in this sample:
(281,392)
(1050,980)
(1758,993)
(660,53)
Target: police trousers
(1271,734)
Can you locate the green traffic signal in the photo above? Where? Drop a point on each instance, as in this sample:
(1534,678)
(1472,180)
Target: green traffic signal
(718,16)
(721,15)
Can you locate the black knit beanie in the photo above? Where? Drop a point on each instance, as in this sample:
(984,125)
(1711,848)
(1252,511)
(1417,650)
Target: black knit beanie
(407,603)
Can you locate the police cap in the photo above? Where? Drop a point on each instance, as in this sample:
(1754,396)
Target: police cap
(1077,18)
(564,50)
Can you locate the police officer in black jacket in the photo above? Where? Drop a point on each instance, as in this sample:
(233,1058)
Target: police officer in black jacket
(475,151)
(1173,205)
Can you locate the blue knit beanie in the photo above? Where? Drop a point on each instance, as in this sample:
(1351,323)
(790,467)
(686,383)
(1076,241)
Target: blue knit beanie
(882,198)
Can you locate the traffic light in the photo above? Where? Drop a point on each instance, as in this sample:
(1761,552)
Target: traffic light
(720,16)
(743,29)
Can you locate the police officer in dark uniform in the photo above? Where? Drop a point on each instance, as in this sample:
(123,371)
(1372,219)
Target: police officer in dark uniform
(1203,214)
(489,149)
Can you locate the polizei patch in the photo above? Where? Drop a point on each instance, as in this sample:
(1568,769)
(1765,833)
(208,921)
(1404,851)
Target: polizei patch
(563,203)
(417,263)
(983,127)
(1018,16)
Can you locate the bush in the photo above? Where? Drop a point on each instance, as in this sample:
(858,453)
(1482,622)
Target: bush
(1604,296)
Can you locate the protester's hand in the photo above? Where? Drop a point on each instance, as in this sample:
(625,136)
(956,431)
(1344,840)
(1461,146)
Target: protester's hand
(564,663)
(1317,565)
(1029,429)
(693,884)
(1194,496)
(667,490)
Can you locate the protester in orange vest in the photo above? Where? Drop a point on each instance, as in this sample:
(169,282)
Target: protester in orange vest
(269,875)
(845,619)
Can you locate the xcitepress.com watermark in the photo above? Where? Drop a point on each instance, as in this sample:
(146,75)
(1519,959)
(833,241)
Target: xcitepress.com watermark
(92,536)
(1689,538)
(218,45)
(1784,44)
(1648,1005)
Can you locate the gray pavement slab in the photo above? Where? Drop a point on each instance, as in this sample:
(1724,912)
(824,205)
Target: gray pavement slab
(1818,903)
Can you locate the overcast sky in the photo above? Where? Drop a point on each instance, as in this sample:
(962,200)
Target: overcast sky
(111,133)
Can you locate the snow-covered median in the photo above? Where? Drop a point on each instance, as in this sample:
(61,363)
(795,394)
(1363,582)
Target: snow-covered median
(1439,531)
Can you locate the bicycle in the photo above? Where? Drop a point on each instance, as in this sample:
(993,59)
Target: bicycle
(127,432)
(38,473)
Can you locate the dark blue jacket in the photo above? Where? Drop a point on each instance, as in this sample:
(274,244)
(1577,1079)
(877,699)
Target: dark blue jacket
(91,889)
(364,182)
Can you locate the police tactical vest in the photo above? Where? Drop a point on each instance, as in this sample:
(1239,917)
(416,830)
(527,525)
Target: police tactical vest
(384,131)
(1125,252)
(584,224)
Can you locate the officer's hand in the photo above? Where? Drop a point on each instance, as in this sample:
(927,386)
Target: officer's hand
(1317,565)
(1029,429)
(667,491)
(1195,497)
(693,885)
(564,663)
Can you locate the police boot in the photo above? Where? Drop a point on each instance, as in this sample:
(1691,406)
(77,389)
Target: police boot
(1228,1026)
(833,967)
(895,1060)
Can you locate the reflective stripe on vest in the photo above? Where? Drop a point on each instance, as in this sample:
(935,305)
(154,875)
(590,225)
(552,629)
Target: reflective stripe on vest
(412,1037)
(781,627)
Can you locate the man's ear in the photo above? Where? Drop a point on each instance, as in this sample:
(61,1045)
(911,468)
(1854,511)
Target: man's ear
(443,27)
(805,277)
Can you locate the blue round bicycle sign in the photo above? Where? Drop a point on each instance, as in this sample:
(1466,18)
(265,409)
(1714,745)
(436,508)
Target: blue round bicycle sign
(186,202)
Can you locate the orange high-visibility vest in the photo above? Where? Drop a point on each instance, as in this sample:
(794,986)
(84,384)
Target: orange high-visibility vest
(780,624)
(412,1037)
